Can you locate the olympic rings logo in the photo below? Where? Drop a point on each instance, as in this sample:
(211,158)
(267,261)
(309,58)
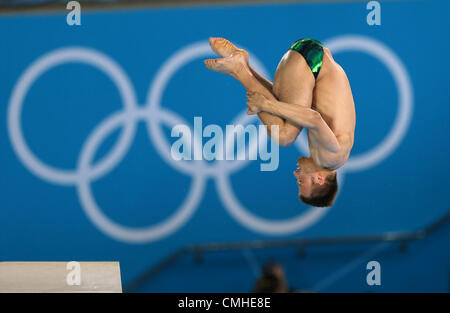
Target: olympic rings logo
(154,115)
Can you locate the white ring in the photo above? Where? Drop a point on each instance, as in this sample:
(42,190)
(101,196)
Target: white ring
(41,65)
(154,96)
(199,171)
(261,225)
(113,229)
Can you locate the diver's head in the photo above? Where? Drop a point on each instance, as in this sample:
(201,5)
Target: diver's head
(317,186)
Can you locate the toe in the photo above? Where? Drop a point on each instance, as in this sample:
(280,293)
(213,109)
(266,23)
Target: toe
(209,62)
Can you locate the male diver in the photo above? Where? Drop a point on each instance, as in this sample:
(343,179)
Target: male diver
(310,90)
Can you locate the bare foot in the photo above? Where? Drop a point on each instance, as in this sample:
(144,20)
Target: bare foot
(232,65)
(225,48)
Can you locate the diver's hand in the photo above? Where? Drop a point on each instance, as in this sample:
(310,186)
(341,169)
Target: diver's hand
(255,102)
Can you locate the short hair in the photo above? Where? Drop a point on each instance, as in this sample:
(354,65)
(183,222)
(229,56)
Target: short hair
(323,196)
(268,282)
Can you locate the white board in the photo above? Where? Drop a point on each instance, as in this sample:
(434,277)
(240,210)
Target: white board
(60,277)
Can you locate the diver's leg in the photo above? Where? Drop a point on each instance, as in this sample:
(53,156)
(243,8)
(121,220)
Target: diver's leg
(294,83)
(225,48)
(236,66)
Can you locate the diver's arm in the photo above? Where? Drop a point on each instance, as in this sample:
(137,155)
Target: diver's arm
(298,115)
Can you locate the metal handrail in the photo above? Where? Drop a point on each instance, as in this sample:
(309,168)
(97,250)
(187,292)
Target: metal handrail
(199,249)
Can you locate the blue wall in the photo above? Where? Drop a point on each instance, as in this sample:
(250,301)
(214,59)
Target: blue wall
(46,212)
